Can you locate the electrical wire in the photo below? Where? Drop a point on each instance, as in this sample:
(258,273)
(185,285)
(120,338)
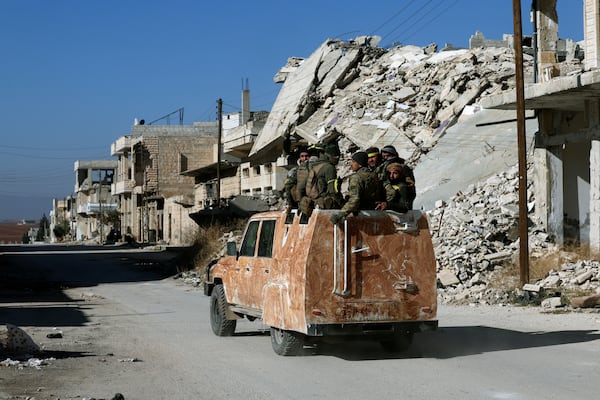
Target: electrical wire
(405,38)
(374,31)
(407,19)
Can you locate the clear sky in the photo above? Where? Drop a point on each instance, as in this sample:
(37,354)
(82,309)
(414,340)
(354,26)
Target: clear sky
(75,73)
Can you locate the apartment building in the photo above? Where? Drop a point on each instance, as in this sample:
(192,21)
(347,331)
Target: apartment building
(220,188)
(153,194)
(93,199)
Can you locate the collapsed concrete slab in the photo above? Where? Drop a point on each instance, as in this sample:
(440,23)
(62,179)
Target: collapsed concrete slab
(318,76)
(476,148)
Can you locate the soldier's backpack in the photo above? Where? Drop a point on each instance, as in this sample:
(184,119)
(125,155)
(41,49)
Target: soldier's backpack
(312,182)
(299,190)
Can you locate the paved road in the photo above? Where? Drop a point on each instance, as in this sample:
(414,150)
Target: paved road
(132,331)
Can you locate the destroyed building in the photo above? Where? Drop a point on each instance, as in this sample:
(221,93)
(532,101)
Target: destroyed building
(93,198)
(153,195)
(567,151)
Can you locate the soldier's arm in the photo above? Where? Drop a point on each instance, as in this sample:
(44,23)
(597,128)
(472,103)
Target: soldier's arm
(353,202)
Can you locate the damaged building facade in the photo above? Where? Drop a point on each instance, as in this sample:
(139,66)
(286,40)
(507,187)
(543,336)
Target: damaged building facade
(232,182)
(93,198)
(567,145)
(153,194)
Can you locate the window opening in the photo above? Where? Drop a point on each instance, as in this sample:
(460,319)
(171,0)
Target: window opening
(249,242)
(265,244)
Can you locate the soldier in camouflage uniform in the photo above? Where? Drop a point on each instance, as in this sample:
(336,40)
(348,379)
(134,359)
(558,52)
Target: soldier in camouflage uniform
(322,183)
(291,181)
(365,189)
(374,159)
(315,153)
(390,155)
(399,194)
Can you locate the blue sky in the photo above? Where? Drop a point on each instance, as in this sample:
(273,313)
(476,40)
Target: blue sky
(74,74)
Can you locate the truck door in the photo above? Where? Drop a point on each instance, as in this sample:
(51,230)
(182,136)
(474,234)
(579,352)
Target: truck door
(254,263)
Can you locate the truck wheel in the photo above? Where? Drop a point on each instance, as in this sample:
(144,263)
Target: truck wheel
(219,323)
(398,342)
(287,343)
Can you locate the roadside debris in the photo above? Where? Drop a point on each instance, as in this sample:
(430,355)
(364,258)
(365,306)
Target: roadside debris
(15,341)
(475,235)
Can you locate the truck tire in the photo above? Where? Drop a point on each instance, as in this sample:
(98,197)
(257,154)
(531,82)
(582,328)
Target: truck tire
(219,323)
(398,342)
(287,343)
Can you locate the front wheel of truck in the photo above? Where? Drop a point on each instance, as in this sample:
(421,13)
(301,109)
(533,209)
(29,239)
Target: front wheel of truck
(287,343)
(398,342)
(219,323)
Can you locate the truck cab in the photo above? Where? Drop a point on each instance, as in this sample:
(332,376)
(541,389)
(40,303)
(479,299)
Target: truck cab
(373,275)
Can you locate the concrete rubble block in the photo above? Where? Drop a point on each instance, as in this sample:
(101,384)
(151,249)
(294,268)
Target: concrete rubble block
(579,279)
(585,301)
(499,256)
(406,57)
(552,303)
(510,198)
(551,281)
(334,67)
(16,341)
(510,210)
(447,278)
(403,94)
(475,279)
(530,287)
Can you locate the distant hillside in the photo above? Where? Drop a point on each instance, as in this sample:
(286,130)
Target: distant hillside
(12,232)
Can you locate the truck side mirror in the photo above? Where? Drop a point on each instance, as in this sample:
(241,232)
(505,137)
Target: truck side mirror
(231,249)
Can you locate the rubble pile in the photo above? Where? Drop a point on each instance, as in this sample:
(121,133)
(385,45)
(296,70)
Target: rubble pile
(476,240)
(405,95)
(422,94)
(360,95)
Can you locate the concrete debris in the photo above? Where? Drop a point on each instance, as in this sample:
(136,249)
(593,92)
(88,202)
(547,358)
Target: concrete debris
(15,341)
(407,95)
(36,363)
(552,303)
(529,287)
(585,301)
(476,239)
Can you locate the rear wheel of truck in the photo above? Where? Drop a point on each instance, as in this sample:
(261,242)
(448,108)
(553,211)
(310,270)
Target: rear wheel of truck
(287,343)
(398,342)
(219,323)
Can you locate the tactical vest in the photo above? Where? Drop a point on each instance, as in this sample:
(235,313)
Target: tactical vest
(312,182)
(299,191)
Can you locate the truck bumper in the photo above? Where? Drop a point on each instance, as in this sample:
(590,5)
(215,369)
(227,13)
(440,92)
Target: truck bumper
(370,329)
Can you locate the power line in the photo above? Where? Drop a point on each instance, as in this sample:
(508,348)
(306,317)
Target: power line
(429,21)
(374,31)
(407,19)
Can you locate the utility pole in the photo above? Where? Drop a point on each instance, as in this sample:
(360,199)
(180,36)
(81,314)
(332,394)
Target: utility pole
(521,142)
(220,130)
(100,202)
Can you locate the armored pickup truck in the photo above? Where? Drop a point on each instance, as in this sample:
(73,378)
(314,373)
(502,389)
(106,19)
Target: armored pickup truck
(370,276)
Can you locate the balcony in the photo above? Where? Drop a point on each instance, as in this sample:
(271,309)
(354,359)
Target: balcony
(238,141)
(122,145)
(95,208)
(122,187)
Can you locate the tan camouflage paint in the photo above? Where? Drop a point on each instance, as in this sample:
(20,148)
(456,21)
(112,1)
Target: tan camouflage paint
(391,272)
